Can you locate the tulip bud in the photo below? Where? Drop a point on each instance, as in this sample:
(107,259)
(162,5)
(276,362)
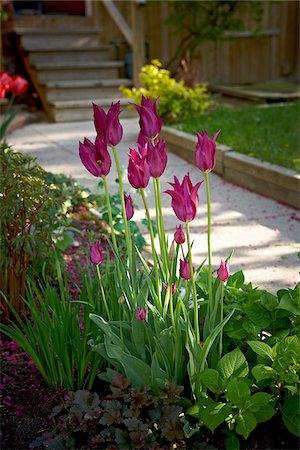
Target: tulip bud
(108,125)
(5,83)
(141,314)
(128,206)
(179,236)
(150,122)
(205,156)
(184,269)
(121,300)
(18,85)
(138,169)
(223,271)
(166,287)
(157,158)
(96,253)
(172,251)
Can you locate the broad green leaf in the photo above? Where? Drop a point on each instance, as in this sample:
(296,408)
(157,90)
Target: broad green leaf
(212,414)
(246,423)
(269,301)
(232,442)
(288,304)
(261,348)
(138,372)
(259,315)
(262,372)
(237,279)
(233,364)
(259,400)
(238,392)
(211,378)
(291,415)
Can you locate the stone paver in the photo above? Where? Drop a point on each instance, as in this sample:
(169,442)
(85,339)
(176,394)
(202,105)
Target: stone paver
(263,233)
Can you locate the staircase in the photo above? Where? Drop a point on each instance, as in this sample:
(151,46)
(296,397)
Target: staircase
(69,66)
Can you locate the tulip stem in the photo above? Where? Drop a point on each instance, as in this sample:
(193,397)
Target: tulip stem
(221,319)
(160,223)
(211,306)
(126,226)
(102,292)
(153,246)
(194,292)
(113,236)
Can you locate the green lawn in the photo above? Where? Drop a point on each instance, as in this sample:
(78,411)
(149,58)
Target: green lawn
(268,133)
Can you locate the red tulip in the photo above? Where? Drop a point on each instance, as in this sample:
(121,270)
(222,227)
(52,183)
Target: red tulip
(95,158)
(184,198)
(166,287)
(184,269)
(157,158)
(138,169)
(5,83)
(128,206)
(96,253)
(108,125)
(141,314)
(223,271)
(179,236)
(150,122)
(19,85)
(205,156)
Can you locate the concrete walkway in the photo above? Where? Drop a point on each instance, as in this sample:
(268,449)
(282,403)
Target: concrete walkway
(263,234)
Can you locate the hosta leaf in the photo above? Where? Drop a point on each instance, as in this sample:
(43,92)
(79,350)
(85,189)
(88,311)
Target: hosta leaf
(246,423)
(291,415)
(238,392)
(233,364)
(261,348)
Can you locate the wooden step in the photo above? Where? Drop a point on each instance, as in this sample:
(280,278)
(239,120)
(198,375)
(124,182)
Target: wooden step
(53,21)
(77,70)
(85,89)
(69,111)
(64,39)
(97,54)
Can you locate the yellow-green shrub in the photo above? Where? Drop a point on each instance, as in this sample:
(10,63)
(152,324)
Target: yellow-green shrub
(176,100)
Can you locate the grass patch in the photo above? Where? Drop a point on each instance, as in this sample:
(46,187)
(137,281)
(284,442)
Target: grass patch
(269,134)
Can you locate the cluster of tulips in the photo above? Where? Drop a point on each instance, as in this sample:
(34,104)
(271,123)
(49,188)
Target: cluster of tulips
(15,85)
(149,161)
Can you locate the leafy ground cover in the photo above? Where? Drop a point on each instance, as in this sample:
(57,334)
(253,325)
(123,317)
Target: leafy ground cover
(267,133)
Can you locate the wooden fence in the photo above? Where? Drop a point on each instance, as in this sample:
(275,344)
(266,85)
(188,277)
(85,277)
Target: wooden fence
(242,58)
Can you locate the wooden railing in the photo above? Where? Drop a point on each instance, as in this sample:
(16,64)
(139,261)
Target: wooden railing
(133,33)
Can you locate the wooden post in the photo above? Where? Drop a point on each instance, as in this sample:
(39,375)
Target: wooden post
(138,43)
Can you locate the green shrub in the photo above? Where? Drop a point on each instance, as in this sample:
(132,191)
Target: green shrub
(28,207)
(176,99)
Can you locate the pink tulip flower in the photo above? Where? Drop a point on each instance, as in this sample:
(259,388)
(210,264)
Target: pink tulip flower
(184,269)
(184,198)
(179,236)
(18,85)
(95,157)
(205,155)
(150,122)
(108,125)
(141,314)
(223,271)
(96,253)
(138,169)
(128,206)
(5,83)
(157,158)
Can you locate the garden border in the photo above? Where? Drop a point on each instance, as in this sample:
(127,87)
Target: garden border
(264,178)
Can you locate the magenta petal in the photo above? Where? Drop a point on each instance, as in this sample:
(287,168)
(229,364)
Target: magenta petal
(100,120)
(88,159)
